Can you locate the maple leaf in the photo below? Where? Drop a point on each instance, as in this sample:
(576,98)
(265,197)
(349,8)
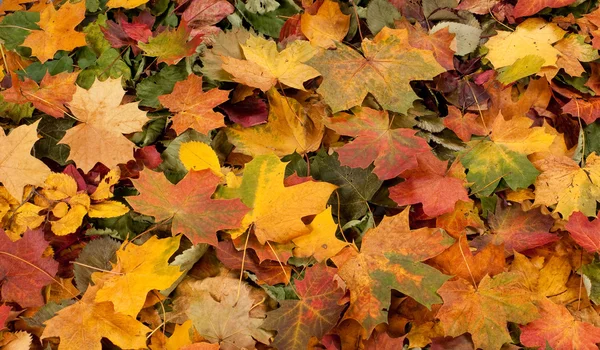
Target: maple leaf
(321,242)
(193,106)
(57,31)
(574,50)
(24,268)
(356,186)
(438,42)
(17,167)
(587,109)
(178,340)
(521,230)
(290,128)
(184,202)
(459,261)
(121,33)
(386,69)
(50,96)
(265,66)
(549,279)
(533,37)
(557,328)
(465,215)
(484,311)
(584,232)
(390,258)
(98,137)
(571,188)
(463,125)
(504,156)
(526,8)
(82,325)
(223,311)
(314,314)
(432,184)
(277,210)
(202,15)
(328,26)
(391,150)
(270,272)
(138,270)
(171,46)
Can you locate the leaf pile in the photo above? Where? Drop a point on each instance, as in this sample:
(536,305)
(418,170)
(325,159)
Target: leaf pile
(286,174)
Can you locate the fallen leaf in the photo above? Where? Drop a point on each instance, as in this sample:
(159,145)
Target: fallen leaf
(82,326)
(431,184)
(57,31)
(265,65)
(530,7)
(328,26)
(194,107)
(17,167)
(393,151)
(464,125)
(459,261)
(171,46)
(50,96)
(504,156)
(521,230)
(223,311)
(484,311)
(571,188)
(321,243)
(534,37)
(290,128)
(390,258)
(584,232)
(184,202)
(98,137)
(557,328)
(276,210)
(25,269)
(314,314)
(138,270)
(388,61)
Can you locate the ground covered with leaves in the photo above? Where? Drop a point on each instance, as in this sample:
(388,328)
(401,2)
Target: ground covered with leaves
(369,174)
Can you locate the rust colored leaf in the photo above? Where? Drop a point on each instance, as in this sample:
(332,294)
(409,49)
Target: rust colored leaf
(314,314)
(392,150)
(25,269)
(188,203)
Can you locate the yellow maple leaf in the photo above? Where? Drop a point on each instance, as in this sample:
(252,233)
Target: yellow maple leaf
(327,26)
(534,37)
(57,31)
(277,211)
(571,188)
(82,326)
(18,167)
(264,65)
(103,121)
(321,242)
(138,270)
(290,128)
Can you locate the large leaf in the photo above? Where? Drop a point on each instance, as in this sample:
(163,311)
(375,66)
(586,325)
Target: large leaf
(388,66)
(184,202)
